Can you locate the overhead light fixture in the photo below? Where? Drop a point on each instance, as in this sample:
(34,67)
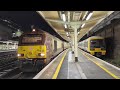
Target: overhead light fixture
(67,33)
(83,25)
(65,26)
(88,17)
(64,18)
(78,32)
(84,15)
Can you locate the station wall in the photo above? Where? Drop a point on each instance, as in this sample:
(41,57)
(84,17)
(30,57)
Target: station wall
(5,33)
(111,33)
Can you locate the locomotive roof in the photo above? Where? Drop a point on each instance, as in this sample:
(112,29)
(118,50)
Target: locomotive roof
(36,32)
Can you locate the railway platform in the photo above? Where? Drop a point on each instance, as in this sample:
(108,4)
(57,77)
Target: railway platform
(87,67)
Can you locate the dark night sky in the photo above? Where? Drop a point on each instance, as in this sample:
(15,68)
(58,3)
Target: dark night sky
(27,18)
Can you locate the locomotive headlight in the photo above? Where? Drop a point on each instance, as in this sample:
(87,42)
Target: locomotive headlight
(42,54)
(18,55)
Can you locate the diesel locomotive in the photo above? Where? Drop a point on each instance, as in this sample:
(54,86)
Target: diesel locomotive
(37,48)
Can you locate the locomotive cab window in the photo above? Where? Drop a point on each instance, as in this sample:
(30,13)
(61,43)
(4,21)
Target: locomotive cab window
(98,43)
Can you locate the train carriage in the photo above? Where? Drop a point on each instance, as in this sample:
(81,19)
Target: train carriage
(95,45)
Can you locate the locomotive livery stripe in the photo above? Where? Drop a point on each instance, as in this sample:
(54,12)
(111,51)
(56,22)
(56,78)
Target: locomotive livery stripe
(59,66)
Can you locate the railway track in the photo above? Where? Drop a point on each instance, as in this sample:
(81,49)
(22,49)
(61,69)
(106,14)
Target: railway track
(7,65)
(11,71)
(17,74)
(7,62)
(5,68)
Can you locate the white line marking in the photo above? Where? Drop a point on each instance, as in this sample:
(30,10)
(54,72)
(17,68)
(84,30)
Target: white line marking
(69,59)
(80,71)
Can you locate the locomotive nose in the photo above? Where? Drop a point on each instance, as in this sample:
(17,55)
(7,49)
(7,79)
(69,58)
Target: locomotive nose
(29,54)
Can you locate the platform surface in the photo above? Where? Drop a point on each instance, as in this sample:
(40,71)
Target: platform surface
(85,68)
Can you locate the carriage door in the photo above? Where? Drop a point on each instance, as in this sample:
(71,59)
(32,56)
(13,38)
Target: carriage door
(55,45)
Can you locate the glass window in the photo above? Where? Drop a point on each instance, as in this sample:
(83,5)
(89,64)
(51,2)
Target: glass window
(31,39)
(97,43)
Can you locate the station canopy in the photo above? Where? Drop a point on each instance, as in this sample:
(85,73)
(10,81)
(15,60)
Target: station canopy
(62,21)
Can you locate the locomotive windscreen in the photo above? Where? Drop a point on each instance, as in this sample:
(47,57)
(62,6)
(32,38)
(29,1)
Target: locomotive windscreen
(97,43)
(32,39)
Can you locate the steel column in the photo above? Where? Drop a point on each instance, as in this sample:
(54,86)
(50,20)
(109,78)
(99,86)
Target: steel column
(73,45)
(76,45)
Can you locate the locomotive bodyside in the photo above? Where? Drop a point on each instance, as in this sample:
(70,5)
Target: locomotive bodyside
(37,49)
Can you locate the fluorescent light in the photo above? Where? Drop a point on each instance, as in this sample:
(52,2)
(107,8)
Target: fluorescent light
(88,17)
(64,18)
(65,26)
(66,32)
(83,25)
(85,15)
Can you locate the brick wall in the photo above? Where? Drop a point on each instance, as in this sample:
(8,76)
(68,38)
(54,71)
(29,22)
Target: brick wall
(112,37)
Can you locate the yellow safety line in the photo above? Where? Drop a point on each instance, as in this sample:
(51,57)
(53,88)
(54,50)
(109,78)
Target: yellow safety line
(59,66)
(113,75)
